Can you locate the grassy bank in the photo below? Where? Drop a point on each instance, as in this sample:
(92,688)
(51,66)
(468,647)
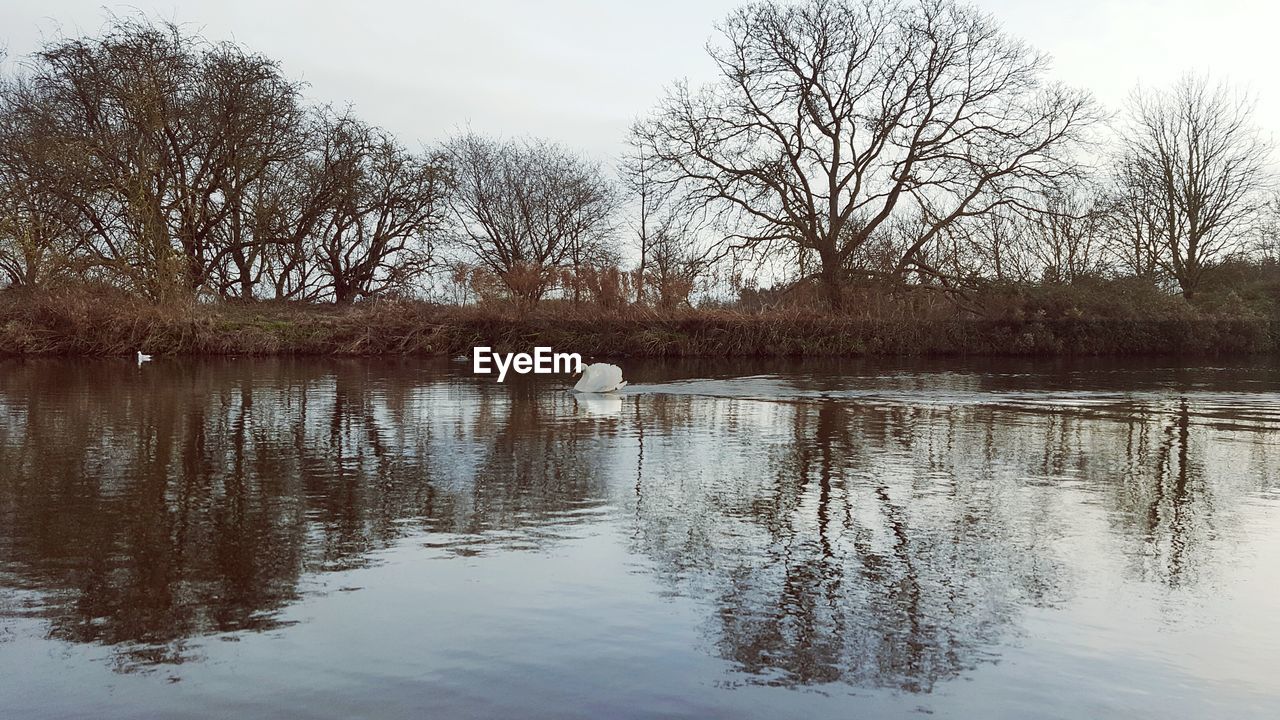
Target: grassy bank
(1047,323)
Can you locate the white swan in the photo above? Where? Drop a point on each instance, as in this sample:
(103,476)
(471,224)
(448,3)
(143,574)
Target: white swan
(600,378)
(143,358)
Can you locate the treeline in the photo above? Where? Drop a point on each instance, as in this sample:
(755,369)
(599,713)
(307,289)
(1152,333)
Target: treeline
(849,147)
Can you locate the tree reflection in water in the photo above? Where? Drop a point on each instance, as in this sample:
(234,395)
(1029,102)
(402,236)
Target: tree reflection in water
(870,543)
(150,509)
(860,552)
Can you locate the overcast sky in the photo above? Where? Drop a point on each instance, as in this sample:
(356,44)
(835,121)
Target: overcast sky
(579,72)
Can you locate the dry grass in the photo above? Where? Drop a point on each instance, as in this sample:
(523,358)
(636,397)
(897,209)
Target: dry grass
(1001,322)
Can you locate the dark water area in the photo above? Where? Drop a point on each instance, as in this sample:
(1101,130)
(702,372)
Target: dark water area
(388,539)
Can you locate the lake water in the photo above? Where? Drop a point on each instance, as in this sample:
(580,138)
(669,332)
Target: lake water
(387,539)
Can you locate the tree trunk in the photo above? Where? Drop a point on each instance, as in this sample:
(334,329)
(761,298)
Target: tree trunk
(832,280)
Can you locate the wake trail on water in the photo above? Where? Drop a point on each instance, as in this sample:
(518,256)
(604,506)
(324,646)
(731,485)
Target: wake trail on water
(1238,409)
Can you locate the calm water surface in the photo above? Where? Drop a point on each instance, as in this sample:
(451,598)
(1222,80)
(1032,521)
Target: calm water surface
(334,539)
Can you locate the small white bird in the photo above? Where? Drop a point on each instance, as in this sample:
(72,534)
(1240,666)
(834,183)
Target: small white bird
(143,358)
(600,378)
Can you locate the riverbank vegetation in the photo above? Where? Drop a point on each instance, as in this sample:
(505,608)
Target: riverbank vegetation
(1114,318)
(865,177)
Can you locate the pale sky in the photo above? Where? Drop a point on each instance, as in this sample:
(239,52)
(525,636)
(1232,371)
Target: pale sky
(579,72)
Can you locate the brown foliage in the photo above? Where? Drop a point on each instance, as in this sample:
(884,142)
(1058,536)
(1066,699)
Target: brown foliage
(1125,319)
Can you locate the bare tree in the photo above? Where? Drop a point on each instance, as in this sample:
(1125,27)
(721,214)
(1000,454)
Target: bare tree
(1270,241)
(993,245)
(676,266)
(387,207)
(288,209)
(832,115)
(160,134)
(667,228)
(528,209)
(1133,223)
(39,230)
(173,165)
(649,196)
(1192,155)
(264,133)
(1066,237)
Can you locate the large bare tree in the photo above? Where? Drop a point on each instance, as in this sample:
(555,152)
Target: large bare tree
(1199,169)
(386,208)
(831,116)
(527,209)
(159,133)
